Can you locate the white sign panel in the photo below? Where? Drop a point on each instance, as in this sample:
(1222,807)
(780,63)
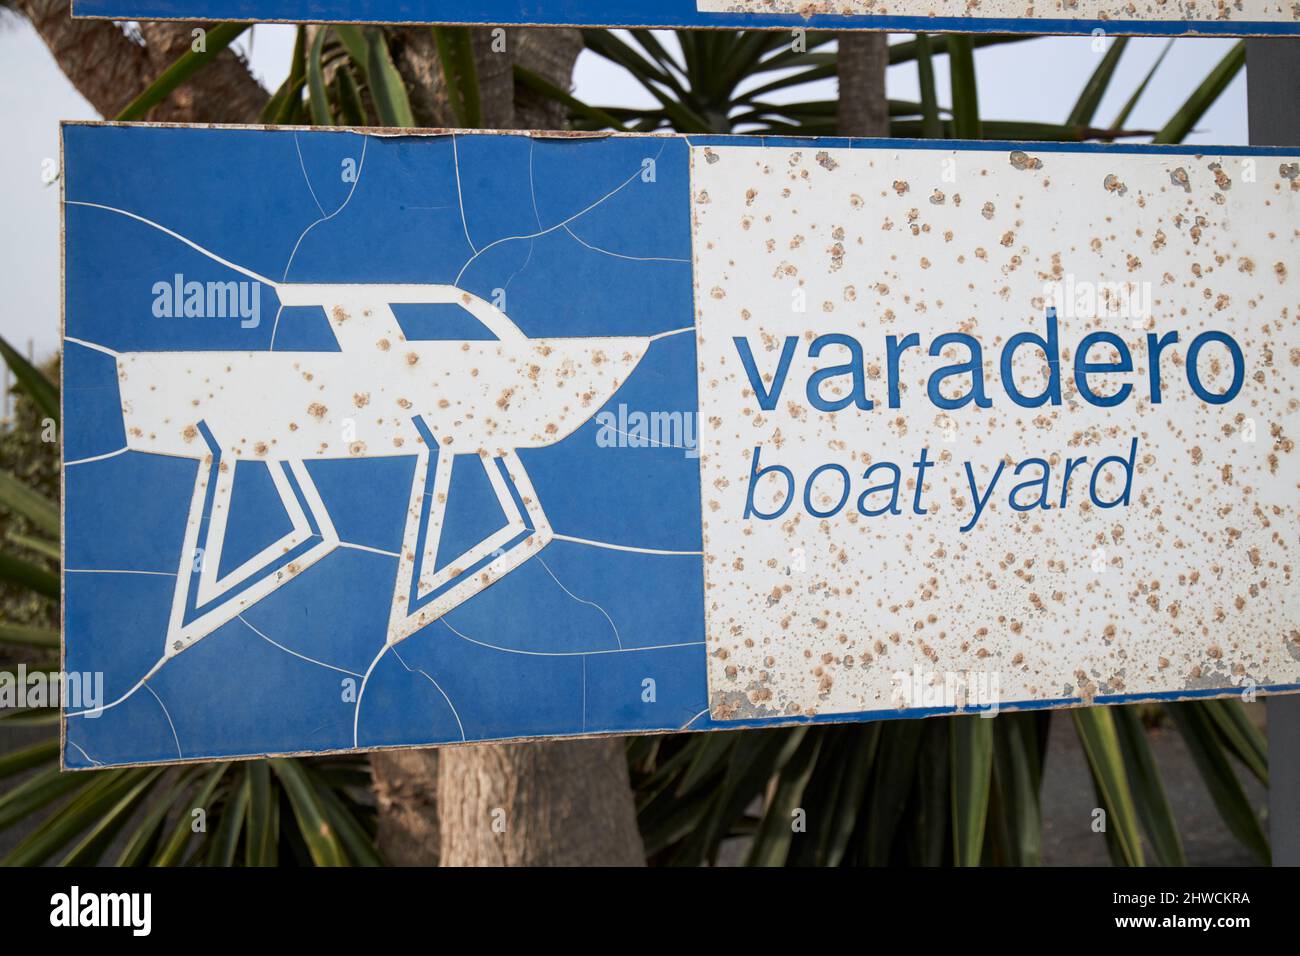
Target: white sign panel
(1160,11)
(1017,423)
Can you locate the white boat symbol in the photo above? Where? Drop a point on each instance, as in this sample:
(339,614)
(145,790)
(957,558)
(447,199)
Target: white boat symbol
(381,395)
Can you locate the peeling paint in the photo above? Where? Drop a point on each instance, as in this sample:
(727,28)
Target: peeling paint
(1261,11)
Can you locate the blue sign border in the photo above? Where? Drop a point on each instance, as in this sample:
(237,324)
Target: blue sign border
(632,14)
(702,721)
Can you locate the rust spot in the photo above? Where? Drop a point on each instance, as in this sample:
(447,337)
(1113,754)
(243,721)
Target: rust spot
(1022,160)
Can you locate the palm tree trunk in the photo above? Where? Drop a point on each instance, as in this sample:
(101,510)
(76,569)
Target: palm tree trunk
(554,803)
(863,108)
(109,68)
(405,783)
(224,91)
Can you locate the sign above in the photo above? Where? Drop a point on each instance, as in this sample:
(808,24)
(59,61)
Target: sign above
(404,440)
(1135,17)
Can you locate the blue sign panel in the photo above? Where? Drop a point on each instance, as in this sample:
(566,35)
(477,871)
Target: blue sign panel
(383,441)
(1146,17)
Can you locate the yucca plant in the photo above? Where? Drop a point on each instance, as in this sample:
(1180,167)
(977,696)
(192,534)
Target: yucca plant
(961,790)
(258,813)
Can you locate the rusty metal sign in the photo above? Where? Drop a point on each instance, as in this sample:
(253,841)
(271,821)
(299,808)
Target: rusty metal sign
(1146,17)
(379,441)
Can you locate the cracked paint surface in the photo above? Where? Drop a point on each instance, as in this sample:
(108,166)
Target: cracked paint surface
(592,576)
(402,528)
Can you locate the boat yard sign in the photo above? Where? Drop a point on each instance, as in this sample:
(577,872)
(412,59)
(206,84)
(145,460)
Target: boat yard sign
(1135,17)
(384,441)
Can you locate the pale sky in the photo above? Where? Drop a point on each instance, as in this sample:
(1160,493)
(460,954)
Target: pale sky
(1036,80)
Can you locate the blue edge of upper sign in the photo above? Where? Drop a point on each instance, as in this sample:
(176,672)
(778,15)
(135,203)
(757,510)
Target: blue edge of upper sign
(634,13)
(422,208)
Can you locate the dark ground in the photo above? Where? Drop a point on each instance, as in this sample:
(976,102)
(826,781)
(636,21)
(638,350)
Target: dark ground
(1068,801)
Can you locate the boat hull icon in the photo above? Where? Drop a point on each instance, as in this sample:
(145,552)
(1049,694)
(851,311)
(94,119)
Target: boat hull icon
(380,395)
